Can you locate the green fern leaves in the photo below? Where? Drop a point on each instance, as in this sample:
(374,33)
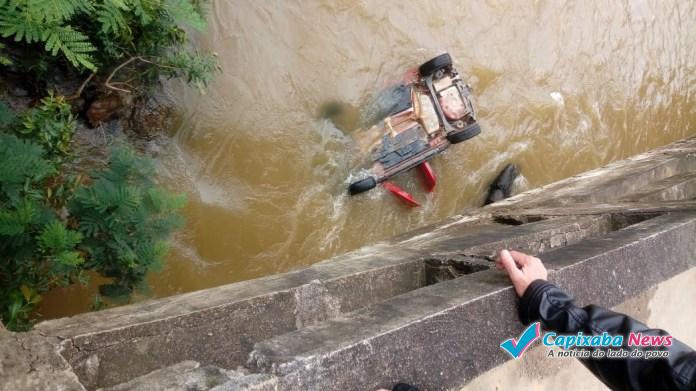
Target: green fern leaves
(184,12)
(74,45)
(112,17)
(23,164)
(13,222)
(52,124)
(121,225)
(23,27)
(91,32)
(55,10)
(145,10)
(195,68)
(53,229)
(45,21)
(123,209)
(56,222)
(55,238)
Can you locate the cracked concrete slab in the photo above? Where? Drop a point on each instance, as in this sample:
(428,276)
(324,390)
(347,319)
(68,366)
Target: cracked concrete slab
(30,361)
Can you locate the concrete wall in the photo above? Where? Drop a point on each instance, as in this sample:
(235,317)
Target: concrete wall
(668,306)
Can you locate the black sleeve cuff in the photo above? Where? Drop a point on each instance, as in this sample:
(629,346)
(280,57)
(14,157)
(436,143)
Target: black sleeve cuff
(531,300)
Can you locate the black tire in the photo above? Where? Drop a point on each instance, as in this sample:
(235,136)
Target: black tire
(362,186)
(470,131)
(435,64)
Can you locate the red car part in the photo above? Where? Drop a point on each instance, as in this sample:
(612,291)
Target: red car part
(429,176)
(430,181)
(401,194)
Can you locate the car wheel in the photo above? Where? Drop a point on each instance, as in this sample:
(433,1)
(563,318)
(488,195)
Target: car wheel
(362,185)
(435,64)
(470,131)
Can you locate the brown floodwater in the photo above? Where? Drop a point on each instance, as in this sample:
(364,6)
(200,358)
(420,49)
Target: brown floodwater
(562,87)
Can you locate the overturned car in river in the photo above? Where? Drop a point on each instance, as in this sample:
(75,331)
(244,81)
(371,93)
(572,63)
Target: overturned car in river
(430,110)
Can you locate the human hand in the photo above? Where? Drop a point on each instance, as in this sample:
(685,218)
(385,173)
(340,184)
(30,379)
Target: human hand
(521,268)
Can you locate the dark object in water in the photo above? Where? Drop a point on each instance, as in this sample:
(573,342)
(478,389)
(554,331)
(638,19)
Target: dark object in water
(501,188)
(344,116)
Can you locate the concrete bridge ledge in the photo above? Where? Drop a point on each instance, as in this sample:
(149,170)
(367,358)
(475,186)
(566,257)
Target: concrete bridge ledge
(435,336)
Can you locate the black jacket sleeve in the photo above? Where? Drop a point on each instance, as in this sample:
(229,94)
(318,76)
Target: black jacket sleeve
(545,302)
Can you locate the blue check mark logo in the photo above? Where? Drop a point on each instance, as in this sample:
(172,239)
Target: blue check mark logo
(515,347)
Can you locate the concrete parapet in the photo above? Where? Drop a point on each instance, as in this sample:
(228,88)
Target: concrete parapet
(436,336)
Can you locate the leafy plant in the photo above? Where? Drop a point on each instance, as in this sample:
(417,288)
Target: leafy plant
(95,35)
(37,251)
(54,228)
(7,116)
(52,124)
(4,59)
(125,220)
(46,21)
(193,67)
(54,224)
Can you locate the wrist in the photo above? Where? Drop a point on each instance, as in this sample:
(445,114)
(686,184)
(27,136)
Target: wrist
(531,300)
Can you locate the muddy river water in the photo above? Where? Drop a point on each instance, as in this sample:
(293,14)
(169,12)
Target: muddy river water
(562,87)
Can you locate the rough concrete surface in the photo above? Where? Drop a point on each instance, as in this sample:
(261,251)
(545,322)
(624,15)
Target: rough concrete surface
(447,333)
(30,361)
(668,306)
(191,376)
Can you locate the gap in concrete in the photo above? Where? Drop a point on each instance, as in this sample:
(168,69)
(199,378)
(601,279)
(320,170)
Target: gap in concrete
(451,266)
(517,220)
(620,221)
(439,269)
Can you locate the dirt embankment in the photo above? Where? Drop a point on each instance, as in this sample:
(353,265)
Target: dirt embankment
(104,117)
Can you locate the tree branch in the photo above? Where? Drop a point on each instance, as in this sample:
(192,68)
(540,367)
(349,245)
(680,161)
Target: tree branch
(82,87)
(113,85)
(108,83)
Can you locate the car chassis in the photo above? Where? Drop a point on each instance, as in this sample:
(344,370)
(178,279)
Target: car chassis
(437,111)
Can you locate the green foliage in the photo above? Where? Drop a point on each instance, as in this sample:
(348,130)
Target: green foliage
(36,250)
(7,116)
(194,67)
(55,225)
(97,35)
(52,124)
(47,22)
(74,45)
(23,167)
(53,229)
(4,59)
(186,12)
(123,209)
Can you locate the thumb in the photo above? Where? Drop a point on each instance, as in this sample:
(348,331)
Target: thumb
(509,265)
